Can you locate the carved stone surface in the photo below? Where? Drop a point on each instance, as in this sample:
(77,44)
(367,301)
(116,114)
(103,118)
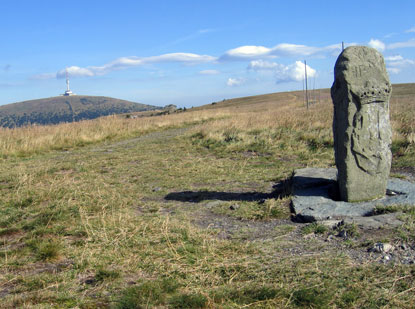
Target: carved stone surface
(361,127)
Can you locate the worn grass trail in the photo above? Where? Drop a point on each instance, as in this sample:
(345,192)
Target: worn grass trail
(186,217)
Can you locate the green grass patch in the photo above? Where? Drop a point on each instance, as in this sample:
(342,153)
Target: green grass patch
(256,210)
(315,297)
(45,249)
(315,228)
(186,300)
(150,293)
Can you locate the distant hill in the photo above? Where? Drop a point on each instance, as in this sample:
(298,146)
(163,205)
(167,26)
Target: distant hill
(65,109)
(399,91)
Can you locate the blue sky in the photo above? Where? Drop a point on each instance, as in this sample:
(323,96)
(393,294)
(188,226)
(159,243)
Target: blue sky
(190,53)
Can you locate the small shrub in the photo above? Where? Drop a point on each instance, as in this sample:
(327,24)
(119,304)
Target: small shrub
(48,250)
(103,274)
(147,293)
(349,230)
(231,136)
(141,295)
(315,228)
(380,210)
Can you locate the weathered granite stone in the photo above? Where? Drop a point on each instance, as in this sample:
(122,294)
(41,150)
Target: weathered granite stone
(361,127)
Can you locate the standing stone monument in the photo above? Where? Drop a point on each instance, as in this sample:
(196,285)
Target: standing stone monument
(361,127)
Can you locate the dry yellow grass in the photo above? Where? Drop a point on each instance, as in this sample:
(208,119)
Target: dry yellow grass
(262,113)
(35,139)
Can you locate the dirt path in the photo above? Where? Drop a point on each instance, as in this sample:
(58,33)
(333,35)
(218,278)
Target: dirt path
(157,136)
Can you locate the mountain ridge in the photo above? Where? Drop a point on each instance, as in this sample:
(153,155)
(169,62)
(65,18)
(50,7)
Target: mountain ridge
(60,109)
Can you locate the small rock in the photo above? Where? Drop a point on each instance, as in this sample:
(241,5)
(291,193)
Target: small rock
(331,223)
(156,189)
(386,257)
(381,247)
(388,248)
(234,207)
(342,234)
(329,238)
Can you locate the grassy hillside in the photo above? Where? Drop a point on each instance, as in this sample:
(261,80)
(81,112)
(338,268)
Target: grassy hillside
(190,210)
(64,109)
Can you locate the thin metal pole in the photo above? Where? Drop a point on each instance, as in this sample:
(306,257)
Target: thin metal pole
(342,46)
(306,86)
(304,101)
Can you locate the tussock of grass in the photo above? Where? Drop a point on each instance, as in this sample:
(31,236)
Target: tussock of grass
(315,228)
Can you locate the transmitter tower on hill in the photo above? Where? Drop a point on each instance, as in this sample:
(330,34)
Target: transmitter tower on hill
(68,91)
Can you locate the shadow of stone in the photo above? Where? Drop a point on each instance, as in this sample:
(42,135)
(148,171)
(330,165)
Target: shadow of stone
(281,189)
(314,186)
(199,196)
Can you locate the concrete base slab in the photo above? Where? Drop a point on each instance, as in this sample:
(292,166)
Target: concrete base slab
(314,193)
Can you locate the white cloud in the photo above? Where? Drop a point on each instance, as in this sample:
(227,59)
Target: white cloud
(232,82)
(178,57)
(293,72)
(394,58)
(410,30)
(209,72)
(377,44)
(406,44)
(252,52)
(75,72)
(395,64)
(285,49)
(246,52)
(127,62)
(261,65)
(394,70)
(283,73)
